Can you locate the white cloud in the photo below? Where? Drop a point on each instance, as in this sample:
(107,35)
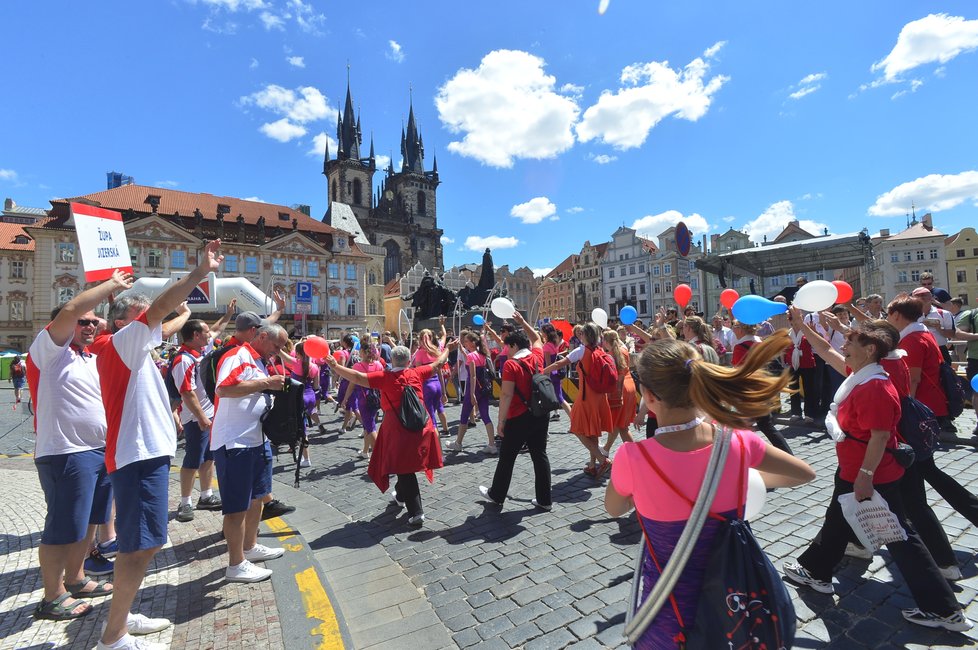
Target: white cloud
(272,21)
(306,17)
(394,52)
(773,220)
(808,85)
(602,159)
(296,61)
(542,272)
(651,92)
(575,209)
(282,130)
(534,211)
(808,196)
(475,243)
(253,198)
(506,108)
(915,84)
(166,183)
(319,144)
(306,104)
(934,193)
(253,64)
(935,38)
(572,89)
(235,5)
(8,175)
(729,219)
(382,161)
(226,29)
(445,239)
(714,49)
(554,218)
(652,225)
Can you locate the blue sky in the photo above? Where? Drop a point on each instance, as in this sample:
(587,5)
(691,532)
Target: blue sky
(552,122)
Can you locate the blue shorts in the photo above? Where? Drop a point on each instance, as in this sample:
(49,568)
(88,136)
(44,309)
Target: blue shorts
(197,446)
(141,490)
(20,382)
(244,474)
(78,494)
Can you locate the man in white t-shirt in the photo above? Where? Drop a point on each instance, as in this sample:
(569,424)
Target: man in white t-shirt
(141,436)
(242,455)
(195,416)
(725,335)
(69,450)
(939,322)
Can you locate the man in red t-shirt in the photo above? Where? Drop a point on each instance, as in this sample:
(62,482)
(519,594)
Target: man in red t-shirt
(517,425)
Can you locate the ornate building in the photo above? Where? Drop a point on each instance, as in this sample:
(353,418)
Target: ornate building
(587,279)
(17,273)
(555,297)
(401,217)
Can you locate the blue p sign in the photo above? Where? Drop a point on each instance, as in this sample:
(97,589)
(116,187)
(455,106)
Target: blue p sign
(303,292)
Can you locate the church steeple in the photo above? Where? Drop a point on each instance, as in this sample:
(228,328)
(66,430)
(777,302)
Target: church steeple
(413,147)
(326,157)
(349,135)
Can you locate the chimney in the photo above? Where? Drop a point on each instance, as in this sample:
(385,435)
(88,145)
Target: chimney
(928,221)
(884,232)
(8,204)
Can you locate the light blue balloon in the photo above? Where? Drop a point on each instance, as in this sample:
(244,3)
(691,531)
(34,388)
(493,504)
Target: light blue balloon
(752,310)
(627,315)
(479,320)
(974,383)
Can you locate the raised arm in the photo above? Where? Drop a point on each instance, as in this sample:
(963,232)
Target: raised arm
(279,307)
(174,325)
(223,321)
(62,328)
(177,292)
(820,346)
(532,334)
(351,375)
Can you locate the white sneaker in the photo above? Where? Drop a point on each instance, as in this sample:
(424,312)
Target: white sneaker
(305,462)
(129,642)
(537,504)
(490,450)
(952,573)
(484,491)
(854,550)
(956,622)
(799,575)
(455,446)
(246,572)
(140,624)
(392,495)
(260,553)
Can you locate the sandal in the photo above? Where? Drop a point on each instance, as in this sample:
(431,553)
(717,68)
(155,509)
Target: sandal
(77,590)
(56,610)
(590,470)
(605,466)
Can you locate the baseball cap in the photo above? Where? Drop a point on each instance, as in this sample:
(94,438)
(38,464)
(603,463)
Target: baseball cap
(248,319)
(942,295)
(921,291)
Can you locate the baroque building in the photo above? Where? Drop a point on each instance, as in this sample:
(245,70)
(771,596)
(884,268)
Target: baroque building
(401,217)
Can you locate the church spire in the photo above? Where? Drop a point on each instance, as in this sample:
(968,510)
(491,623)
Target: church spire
(326,156)
(349,136)
(413,148)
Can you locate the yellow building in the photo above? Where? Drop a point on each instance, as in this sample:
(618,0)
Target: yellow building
(961,251)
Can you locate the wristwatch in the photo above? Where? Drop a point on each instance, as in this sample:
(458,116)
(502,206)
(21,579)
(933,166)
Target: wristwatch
(867,472)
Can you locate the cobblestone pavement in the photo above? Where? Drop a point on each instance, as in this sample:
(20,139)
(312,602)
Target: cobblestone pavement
(479,576)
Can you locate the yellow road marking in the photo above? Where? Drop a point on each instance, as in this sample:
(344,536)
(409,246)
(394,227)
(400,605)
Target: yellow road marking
(317,606)
(281,529)
(295,548)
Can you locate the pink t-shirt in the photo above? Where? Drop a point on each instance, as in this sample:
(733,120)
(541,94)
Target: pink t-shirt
(296,369)
(549,351)
(632,476)
(476,359)
(423,357)
(366,368)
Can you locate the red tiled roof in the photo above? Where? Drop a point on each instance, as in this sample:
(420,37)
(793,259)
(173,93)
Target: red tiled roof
(602,248)
(10,231)
(392,288)
(564,266)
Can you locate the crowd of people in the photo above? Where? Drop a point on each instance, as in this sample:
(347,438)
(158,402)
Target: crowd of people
(116,399)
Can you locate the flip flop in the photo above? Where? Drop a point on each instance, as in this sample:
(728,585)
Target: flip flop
(56,610)
(77,590)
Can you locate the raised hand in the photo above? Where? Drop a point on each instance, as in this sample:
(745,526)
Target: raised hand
(121,280)
(212,259)
(183,308)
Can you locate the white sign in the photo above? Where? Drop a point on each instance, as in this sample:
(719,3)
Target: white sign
(303,308)
(101,241)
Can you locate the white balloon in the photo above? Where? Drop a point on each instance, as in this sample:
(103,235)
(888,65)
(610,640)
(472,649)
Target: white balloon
(599,317)
(816,296)
(502,307)
(756,494)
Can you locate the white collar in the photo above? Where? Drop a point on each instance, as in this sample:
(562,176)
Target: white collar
(522,352)
(911,328)
(896,354)
(745,339)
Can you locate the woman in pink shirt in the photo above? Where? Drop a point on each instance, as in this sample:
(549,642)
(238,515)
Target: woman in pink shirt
(428,350)
(478,389)
(689,398)
(368,398)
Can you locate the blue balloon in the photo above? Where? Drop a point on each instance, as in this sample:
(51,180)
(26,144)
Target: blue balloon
(627,315)
(479,320)
(752,310)
(974,383)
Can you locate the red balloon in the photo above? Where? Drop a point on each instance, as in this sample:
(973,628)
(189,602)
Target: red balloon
(845,291)
(564,327)
(682,294)
(728,297)
(316,347)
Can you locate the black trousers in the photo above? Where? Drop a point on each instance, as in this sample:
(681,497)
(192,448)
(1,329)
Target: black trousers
(922,516)
(927,585)
(409,493)
(804,378)
(956,495)
(820,381)
(766,426)
(531,431)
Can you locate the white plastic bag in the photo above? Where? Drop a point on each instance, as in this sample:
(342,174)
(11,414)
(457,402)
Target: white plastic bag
(872,520)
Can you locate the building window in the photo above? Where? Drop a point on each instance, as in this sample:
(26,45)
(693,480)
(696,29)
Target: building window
(819,275)
(655,270)
(333,271)
(351,306)
(642,306)
(312,269)
(933,253)
(901,276)
(230,263)
(357,192)
(422,203)
(666,269)
(372,278)
(612,292)
(655,288)
(155,259)
(334,189)
(959,252)
(776,282)
(278,266)
(920,255)
(373,307)
(65,294)
(641,288)
(633,289)
(962,276)
(611,273)
(974,252)
(178,260)
(631,269)
(66,252)
(907,256)
(334,305)
(622,269)
(16,310)
(669,286)
(641,268)
(17,270)
(694,283)
(134,257)
(351,271)
(894,256)
(296,267)
(251,264)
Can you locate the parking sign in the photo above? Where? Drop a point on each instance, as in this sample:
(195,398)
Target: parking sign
(303,293)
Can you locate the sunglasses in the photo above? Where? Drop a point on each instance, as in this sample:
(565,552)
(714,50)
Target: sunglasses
(88,322)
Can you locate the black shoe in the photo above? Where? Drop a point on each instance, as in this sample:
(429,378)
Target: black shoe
(275,508)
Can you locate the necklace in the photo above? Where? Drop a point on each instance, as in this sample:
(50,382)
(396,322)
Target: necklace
(692,424)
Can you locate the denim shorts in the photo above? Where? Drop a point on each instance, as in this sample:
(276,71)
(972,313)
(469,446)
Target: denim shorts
(141,490)
(78,494)
(244,474)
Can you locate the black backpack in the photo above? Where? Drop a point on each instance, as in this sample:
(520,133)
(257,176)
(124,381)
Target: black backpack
(954,390)
(172,391)
(543,399)
(283,423)
(483,385)
(918,426)
(412,414)
(207,373)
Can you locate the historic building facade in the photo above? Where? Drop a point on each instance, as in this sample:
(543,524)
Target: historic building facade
(402,216)
(961,251)
(555,297)
(587,280)
(17,274)
(901,258)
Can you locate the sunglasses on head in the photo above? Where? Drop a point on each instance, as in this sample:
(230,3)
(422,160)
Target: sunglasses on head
(88,322)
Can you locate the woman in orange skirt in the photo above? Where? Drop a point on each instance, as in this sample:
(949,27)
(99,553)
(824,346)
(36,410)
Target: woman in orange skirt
(590,414)
(624,401)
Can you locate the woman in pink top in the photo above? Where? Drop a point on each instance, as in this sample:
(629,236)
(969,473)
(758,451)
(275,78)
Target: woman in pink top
(689,398)
(478,389)
(305,370)
(428,350)
(368,398)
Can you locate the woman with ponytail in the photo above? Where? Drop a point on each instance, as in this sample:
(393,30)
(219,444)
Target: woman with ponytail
(624,399)
(690,398)
(368,398)
(428,350)
(305,370)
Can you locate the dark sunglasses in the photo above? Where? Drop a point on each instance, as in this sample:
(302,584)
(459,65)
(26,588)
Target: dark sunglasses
(88,322)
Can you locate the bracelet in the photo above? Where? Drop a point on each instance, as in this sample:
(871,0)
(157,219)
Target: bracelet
(867,472)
